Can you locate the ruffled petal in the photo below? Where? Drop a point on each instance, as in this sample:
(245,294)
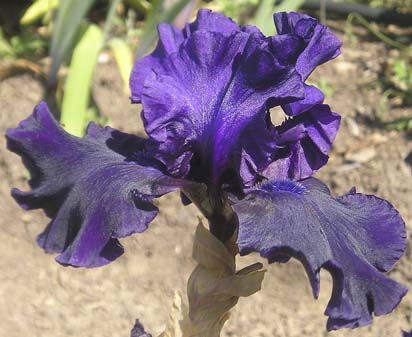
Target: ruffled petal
(212,22)
(305,141)
(196,107)
(294,150)
(310,45)
(96,189)
(317,44)
(170,39)
(355,237)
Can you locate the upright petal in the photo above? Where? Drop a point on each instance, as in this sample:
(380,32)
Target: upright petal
(317,44)
(170,38)
(196,107)
(295,149)
(305,141)
(355,237)
(96,189)
(310,45)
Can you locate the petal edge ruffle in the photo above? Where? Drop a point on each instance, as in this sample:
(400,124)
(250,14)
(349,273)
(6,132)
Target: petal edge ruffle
(355,237)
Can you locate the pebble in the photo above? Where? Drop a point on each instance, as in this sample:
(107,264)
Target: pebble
(353,127)
(361,156)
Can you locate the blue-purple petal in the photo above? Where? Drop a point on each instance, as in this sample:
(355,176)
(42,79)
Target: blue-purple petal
(198,104)
(317,43)
(355,237)
(95,189)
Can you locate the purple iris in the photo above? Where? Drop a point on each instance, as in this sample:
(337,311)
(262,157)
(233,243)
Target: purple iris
(206,92)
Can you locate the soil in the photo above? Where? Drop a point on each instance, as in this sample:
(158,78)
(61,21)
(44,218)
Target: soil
(39,298)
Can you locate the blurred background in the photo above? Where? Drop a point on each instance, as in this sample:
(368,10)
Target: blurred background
(78,54)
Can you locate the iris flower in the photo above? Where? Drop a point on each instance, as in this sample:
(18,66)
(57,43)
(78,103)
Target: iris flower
(205,93)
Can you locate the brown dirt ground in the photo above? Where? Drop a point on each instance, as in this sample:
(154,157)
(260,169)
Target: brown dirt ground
(39,298)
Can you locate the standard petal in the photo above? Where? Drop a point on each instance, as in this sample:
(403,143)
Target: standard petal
(212,22)
(96,189)
(317,43)
(356,237)
(303,144)
(196,107)
(170,39)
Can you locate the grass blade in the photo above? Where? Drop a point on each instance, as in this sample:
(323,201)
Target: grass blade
(124,58)
(77,88)
(69,16)
(37,9)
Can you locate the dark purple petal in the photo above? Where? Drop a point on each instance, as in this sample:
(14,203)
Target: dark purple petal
(304,142)
(313,96)
(205,95)
(317,43)
(170,39)
(406,334)
(96,189)
(355,237)
(309,44)
(138,330)
(212,22)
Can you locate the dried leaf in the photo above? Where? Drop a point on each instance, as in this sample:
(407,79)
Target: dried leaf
(178,325)
(214,286)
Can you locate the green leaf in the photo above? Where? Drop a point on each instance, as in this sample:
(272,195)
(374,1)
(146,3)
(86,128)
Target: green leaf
(69,17)
(263,17)
(77,88)
(37,10)
(6,50)
(142,6)
(124,58)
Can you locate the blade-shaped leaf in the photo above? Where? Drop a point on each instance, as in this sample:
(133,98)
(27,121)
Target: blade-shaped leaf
(69,16)
(77,88)
(37,9)
(124,58)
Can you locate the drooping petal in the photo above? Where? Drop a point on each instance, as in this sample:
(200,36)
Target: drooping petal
(207,93)
(356,237)
(96,189)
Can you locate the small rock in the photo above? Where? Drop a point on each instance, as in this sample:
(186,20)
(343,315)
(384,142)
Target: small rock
(344,67)
(361,156)
(353,127)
